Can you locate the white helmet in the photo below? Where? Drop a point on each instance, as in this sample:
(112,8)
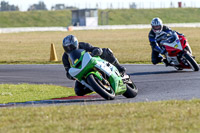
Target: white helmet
(156,25)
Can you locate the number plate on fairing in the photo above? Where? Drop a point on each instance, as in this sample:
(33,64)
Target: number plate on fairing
(176,44)
(104,67)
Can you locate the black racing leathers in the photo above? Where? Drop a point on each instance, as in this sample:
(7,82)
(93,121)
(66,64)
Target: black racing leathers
(107,55)
(82,45)
(152,36)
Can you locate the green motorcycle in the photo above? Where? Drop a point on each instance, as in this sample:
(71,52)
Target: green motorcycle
(100,76)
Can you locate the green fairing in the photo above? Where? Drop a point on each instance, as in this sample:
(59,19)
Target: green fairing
(74,65)
(87,69)
(95,59)
(114,79)
(117,84)
(97,74)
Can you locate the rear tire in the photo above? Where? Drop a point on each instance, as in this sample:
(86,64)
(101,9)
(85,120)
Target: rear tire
(100,88)
(131,91)
(193,64)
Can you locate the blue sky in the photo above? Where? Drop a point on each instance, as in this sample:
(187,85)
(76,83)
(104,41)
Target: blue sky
(24,4)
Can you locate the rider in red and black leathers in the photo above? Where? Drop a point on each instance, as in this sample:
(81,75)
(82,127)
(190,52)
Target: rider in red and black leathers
(70,42)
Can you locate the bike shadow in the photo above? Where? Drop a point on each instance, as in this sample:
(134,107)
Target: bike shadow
(53,102)
(157,72)
(80,100)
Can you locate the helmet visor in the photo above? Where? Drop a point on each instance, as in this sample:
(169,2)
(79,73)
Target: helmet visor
(69,48)
(156,28)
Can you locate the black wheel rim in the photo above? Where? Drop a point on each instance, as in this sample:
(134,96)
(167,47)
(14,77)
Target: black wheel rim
(107,88)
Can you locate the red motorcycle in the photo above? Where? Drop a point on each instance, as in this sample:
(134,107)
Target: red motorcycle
(178,52)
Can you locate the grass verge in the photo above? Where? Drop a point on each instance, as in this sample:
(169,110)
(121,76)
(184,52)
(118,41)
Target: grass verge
(147,117)
(115,17)
(129,46)
(30,92)
(35,19)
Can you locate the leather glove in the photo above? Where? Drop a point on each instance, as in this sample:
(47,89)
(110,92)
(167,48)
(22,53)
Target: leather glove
(158,49)
(163,51)
(69,76)
(181,34)
(97,52)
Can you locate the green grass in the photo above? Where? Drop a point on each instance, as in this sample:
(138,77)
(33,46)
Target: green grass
(116,17)
(147,117)
(144,16)
(27,92)
(35,19)
(129,46)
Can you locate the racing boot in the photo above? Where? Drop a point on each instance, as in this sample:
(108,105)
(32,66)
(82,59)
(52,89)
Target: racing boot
(166,62)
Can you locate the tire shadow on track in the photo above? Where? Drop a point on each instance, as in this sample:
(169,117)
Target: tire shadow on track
(70,99)
(156,72)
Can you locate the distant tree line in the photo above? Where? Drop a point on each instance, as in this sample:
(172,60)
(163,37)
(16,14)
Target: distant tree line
(6,7)
(62,7)
(40,6)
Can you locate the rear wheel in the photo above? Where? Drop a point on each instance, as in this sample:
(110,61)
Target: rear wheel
(131,91)
(193,64)
(106,91)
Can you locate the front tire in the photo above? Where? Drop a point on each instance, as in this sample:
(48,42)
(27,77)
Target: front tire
(131,91)
(105,91)
(193,64)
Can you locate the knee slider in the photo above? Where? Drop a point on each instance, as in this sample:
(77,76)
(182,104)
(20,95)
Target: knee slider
(108,55)
(109,51)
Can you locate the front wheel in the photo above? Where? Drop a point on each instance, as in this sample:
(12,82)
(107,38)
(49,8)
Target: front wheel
(131,91)
(106,91)
(193,64)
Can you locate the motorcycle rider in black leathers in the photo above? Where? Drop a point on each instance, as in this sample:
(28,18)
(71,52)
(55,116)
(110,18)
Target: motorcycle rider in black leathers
(71,43)
(155,37)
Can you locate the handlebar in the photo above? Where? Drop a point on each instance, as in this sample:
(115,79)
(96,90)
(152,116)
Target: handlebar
(169,37)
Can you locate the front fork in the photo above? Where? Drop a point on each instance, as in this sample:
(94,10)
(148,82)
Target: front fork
(181,56)
(86,85)
(98,75)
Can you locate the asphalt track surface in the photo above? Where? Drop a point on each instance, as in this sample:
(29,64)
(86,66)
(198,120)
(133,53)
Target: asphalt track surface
(155,82)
